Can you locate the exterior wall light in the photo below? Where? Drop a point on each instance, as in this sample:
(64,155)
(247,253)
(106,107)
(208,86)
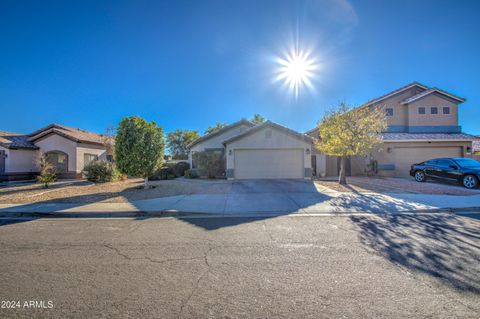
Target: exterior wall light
(229,152)
(307,151)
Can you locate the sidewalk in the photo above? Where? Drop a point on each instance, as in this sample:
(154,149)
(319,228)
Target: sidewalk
(252,204)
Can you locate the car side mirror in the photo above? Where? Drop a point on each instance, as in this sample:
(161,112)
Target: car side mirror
(453,167)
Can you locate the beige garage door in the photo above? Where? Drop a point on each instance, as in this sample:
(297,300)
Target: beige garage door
(406,156)
(273,163)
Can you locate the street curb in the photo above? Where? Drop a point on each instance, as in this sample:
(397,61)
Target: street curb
(170,213)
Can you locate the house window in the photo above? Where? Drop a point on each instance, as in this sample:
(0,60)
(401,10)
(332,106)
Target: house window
(59,160)
(421,110)
(446,110)
(88,158)
(389,111)
(434,110)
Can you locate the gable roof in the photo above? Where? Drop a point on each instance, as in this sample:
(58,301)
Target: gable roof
(73,134)
(15,141)
(431,91)
(257,128)
(220,131)
(395,92)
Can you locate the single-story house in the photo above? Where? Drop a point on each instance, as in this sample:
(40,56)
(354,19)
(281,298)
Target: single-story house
(68,149)
(266,150)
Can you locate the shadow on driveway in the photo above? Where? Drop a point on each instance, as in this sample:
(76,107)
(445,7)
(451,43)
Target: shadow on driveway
(444,247)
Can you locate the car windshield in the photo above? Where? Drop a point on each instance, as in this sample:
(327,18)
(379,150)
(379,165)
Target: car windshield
(467,162)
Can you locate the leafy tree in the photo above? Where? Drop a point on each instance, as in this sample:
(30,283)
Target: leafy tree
(214,128)
(257,119)
(346,132)
(177,142)
(139,147)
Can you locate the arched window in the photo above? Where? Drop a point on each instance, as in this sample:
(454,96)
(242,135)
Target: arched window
(59,160)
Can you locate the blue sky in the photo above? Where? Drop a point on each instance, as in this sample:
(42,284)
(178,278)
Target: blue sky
(189,64)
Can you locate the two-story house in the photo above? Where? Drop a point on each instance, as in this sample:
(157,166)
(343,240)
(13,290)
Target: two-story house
(422,124)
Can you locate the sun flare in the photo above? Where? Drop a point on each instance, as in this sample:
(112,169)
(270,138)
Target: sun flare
(296,69)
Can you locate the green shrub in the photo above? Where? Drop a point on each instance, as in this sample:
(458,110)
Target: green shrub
(101,172)
(47,171)
(170,171)
(46,178)
(180,168)
(210,163)
(166,172)
(191,173)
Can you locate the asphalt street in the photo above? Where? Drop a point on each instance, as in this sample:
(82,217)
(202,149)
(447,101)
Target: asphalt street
(364,266)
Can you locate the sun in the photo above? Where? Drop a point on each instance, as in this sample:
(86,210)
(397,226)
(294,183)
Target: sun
(296,69)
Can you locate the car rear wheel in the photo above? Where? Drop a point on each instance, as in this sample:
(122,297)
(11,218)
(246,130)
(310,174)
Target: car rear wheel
(420,176)
(469,181)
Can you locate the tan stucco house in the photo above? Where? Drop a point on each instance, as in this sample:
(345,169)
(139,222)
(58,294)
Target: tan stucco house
(69,149)
(422,124)
(267,150)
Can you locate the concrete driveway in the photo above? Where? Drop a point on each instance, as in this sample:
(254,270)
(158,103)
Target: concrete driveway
(244,196)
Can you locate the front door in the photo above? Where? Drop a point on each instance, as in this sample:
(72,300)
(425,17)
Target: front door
(2,161)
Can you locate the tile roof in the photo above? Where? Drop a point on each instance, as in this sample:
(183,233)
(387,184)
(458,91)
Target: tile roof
(70,133)
(426,136)
(430,91)
(220,131)
(14,141)
(272,124)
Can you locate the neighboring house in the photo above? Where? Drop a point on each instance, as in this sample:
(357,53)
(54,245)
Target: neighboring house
(267,150)
(476,148)
(68,149)
(476,145)
(422,124)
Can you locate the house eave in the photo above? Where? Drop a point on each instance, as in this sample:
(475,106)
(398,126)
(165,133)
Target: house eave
(254,129)
(428,140)
(220,131)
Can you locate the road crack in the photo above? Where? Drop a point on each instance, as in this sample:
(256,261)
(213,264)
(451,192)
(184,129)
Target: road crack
(197,283)
(162,261)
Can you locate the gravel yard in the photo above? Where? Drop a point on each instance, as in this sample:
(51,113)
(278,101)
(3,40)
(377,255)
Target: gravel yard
(397,185)
(116,192)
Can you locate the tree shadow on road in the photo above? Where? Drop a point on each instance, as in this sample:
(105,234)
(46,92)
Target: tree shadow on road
(445,247)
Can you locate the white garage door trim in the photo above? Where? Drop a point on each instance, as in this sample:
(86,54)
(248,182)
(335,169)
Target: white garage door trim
(269,163)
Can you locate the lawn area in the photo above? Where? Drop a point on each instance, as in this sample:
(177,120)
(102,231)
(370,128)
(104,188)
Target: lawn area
(86,192)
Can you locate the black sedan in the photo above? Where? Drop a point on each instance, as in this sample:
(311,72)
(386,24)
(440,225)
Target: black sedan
(463,170)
